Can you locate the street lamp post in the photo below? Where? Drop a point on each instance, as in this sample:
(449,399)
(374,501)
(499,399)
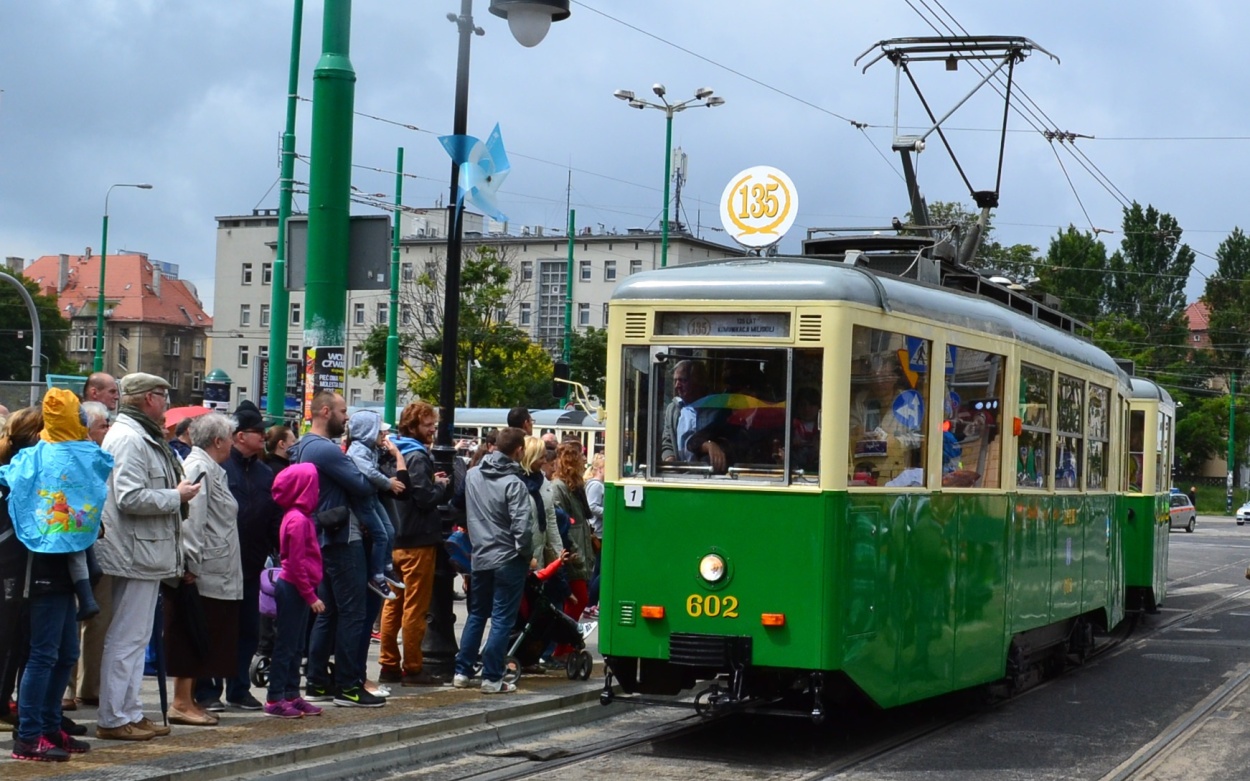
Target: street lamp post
(104,256)
(702,97)
(46,362)
(468,381)
(528,20)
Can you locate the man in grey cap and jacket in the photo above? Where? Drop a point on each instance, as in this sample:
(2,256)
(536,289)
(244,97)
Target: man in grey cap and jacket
(142,520)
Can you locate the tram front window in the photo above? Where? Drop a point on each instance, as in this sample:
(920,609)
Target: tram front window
(721,413)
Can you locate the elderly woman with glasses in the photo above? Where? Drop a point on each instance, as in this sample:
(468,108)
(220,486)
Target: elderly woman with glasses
(204,643)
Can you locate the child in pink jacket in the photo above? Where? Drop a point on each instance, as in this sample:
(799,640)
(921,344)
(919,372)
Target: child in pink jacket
(295,489)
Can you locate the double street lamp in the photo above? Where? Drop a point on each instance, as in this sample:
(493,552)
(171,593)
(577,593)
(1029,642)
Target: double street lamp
(104,256)
(702,97)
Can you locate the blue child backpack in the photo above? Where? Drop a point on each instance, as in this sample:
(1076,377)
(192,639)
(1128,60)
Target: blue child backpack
(56,494)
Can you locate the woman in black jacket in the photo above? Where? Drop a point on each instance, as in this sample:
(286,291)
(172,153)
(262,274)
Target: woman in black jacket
(418,536)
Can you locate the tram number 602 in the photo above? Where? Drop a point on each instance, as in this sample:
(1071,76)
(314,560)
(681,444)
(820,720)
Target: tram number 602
(712,606)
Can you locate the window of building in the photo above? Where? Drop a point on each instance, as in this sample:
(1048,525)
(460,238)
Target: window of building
(379,394)
(609,271)
(292,352)
(242,393)
(264,315)
(247,273)
(583,314)
(83,341)
(266,273)
(123,332)
(123,357)
(296,314)
(527,271)
(429,314)
(583,270)
(173,345)
(197,348)
(405,314)
(197,380)
(1034,414)
(245,314)
(527,313)
(605,314)
(405,271)
(243,355)
(358,314)
(501,314)
(431,271)
(635,266)
(383,313)
(358,356)
(354,396)
(174,379)
(262,351)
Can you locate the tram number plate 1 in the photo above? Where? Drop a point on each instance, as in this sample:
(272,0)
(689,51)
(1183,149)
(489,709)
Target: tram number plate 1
(633,496)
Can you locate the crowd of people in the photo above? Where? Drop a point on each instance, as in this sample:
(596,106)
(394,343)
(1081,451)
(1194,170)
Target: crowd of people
(189,519)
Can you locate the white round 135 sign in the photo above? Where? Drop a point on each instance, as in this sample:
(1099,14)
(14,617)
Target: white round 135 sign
(758,206)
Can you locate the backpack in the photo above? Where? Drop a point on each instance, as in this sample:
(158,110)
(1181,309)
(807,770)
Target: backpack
(56,494)
(460,551)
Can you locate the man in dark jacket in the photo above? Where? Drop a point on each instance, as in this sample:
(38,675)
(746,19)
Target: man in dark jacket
(417,537)
(260,518)
(499,509)
(338,629)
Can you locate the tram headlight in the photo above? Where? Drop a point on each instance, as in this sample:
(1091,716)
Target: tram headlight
(712,568)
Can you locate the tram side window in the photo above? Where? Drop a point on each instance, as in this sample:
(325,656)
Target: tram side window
(1034,440)
(1136,465)
(1071,444)
(889,405)
(1163,454)
(971,446)
(1098,437)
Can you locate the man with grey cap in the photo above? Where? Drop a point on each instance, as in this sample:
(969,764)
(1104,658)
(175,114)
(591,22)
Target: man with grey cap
(142,519)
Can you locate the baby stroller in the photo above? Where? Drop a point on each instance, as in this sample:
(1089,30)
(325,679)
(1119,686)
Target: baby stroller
(545,623)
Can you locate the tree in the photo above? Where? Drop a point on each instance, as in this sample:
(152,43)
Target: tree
(513,371)
(15,336)
(1227,296)
(588,360)
(1074,271)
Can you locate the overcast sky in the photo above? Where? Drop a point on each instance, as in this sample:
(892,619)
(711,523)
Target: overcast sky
(190,96)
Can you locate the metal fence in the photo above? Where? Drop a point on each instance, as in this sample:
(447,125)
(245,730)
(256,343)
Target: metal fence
(16,395)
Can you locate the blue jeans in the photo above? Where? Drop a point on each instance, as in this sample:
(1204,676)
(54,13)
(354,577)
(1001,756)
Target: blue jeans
(493,594)
(288,642)
(338,629)
(53,653)
(238,687)
(381,536)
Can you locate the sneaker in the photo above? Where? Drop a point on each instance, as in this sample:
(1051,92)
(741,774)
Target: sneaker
(356,697)
(305,707)
(315,693)
(378,691)
(65,742)
(591,612)
(213,706)
(283,709)
(40,750)
(460,681)
(392,578)
(72,727)
(124,732)
(390,675)
(498,687)
(375,638)
(378,585)
(247,703)
(159,730)
(422,678)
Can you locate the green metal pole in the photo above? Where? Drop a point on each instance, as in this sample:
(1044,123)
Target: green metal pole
(98,364)
(568,301)
(392,333)
(1232,414)
(668,174)
(334,89)
(280,296)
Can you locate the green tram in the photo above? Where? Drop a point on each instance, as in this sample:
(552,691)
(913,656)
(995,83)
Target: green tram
(827,483)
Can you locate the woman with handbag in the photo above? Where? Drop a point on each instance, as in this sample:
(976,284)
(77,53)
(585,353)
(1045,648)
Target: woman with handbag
(202,611)
(570,495)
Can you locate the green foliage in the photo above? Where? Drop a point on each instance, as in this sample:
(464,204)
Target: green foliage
(588,360)
(15,358)
(1227,296)
(514,371)
(1074,271)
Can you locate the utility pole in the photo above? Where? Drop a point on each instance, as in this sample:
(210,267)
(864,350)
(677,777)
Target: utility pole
(392,325)
(1232,414)
(568,304)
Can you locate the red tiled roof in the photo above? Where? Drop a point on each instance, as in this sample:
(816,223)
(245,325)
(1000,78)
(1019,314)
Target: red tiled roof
(1199,316)
(128,288)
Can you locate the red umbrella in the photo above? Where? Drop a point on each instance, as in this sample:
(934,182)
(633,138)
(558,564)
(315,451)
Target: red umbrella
(176,415)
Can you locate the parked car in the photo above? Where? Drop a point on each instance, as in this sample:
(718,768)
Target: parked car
(1183,514)
(1243,514)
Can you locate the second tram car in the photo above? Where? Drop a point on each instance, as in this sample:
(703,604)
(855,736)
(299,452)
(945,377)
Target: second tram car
(826,483)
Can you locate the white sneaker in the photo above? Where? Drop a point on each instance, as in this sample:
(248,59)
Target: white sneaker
(460,681)
(498,687)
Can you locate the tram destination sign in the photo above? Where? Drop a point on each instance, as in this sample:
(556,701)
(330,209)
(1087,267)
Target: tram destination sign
(749,325)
